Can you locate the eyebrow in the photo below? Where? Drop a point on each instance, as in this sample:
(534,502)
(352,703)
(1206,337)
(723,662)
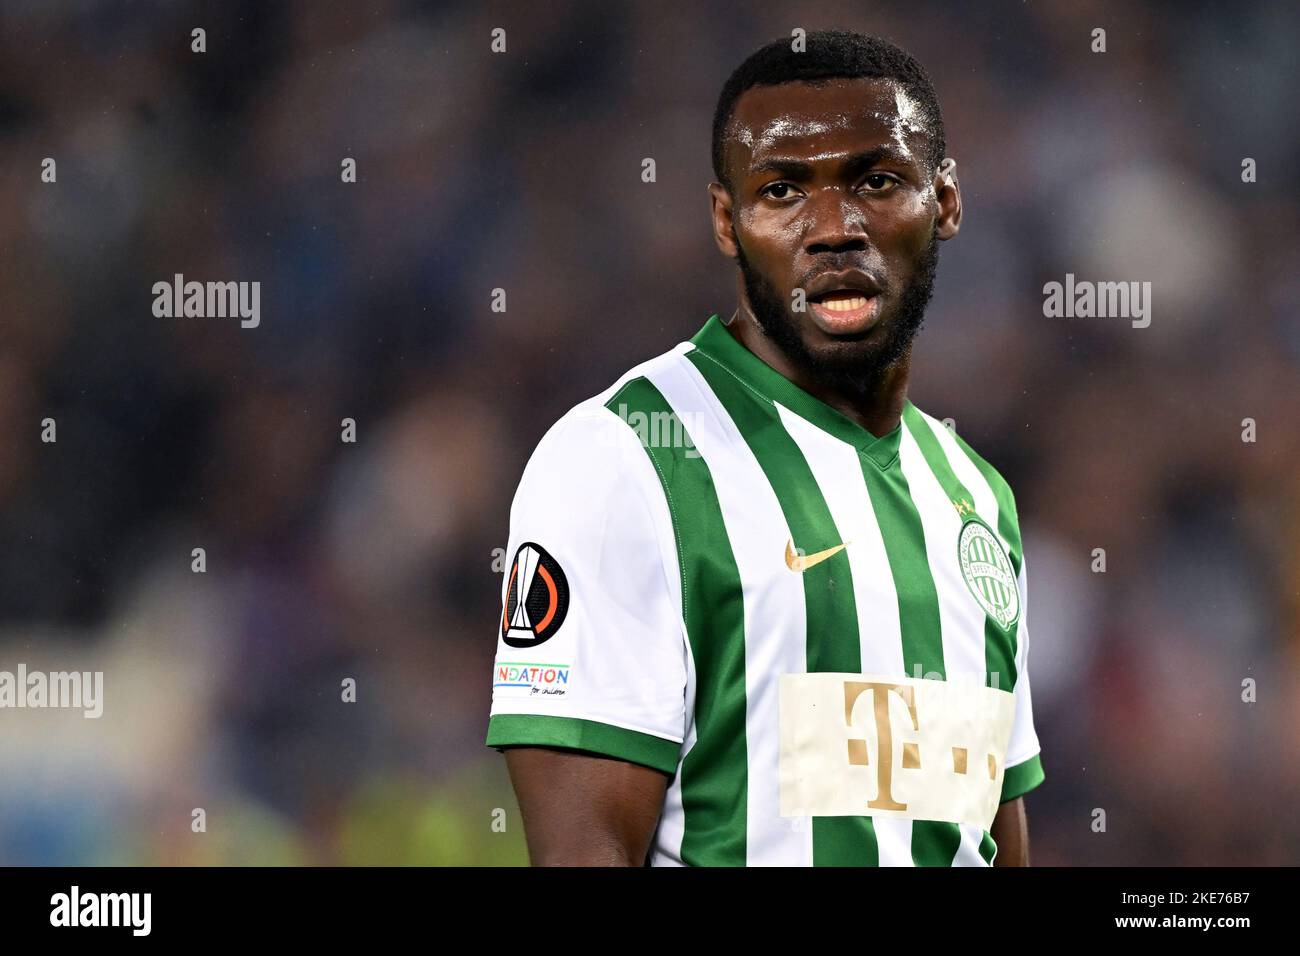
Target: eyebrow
(801,171)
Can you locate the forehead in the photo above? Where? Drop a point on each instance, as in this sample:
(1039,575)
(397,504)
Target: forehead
(829,116)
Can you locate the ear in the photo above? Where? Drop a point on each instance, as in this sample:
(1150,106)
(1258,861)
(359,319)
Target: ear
(948,192)
(722,234)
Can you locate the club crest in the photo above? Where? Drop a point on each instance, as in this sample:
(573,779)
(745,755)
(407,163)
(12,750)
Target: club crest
(988,573)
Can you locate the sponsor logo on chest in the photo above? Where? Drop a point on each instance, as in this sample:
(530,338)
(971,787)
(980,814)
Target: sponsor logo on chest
(874,745)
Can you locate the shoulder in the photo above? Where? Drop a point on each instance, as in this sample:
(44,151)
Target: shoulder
(596,443)
(953,443)
(593,498)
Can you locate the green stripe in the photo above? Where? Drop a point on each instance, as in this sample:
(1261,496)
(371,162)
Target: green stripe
(1022,778)
(831,611)
(988,848)
(1008,527)
(934,842)
(918,598)
(999,645)
(714,340)
(505,730)
(1008,520)
(715,772)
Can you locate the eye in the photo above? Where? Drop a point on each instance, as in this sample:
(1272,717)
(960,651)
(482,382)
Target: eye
(879,182)
(779,191)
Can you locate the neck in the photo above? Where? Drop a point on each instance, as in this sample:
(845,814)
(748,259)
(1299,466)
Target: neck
(878,407)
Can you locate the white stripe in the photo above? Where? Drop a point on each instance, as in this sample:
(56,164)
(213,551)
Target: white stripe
(968,851)
(666,849)
(1024,738)
(837,469)
(985,502)
(667,845)
(775,623)
(986,505)
(960,615)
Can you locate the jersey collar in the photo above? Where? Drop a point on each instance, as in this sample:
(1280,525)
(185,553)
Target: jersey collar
(716,342)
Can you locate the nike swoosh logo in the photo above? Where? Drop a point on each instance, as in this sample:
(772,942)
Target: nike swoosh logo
(802,562)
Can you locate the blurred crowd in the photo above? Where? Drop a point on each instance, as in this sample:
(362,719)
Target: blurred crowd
(377,559)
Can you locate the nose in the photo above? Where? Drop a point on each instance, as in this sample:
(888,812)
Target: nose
(835,224)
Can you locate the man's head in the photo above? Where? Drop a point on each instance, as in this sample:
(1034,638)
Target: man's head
(832,182)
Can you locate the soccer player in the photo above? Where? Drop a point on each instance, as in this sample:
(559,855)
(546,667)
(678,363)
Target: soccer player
(763,610)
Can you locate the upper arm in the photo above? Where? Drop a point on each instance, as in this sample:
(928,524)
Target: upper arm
(591,657)
(580,809)
(1010,832)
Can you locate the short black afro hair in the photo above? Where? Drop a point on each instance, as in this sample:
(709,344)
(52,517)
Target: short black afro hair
(829,54)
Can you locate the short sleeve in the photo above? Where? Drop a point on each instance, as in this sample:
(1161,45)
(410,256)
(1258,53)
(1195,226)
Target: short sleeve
(1024,762)
(591,647)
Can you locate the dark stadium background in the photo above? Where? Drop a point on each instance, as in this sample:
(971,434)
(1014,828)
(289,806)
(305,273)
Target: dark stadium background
(522,171)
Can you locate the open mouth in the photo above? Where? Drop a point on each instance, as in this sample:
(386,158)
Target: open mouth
(845,311)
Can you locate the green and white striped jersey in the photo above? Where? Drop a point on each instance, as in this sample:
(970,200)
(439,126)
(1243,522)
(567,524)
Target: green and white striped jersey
(819,633)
